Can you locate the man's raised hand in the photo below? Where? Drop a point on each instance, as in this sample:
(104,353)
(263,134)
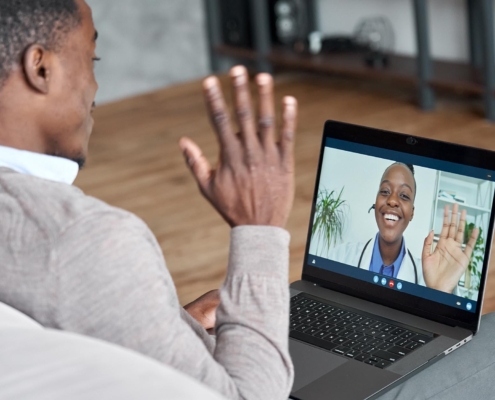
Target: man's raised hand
(253,183)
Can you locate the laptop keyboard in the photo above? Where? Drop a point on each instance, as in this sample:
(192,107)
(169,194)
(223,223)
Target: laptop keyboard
(352,334)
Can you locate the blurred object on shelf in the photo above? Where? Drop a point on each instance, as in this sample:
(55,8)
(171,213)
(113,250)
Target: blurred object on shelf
(291,22)
(236,24)
(373,36)
(317,44)
(378,35)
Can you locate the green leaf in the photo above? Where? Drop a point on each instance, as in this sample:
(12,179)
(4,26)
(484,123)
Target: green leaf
(330,217)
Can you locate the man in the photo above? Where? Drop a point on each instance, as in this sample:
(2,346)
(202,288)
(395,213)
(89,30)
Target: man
(74,263)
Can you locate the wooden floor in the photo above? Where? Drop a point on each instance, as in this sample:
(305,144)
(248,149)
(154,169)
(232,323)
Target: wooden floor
(135,162)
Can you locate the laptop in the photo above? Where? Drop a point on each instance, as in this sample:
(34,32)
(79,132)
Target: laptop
(378,300)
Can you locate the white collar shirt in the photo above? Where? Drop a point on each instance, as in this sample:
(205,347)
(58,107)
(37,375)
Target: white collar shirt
(43,166)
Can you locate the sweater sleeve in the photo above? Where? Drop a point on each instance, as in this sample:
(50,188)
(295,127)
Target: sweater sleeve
(113,285)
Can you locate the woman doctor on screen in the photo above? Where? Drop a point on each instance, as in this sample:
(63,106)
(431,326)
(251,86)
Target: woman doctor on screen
(387,252)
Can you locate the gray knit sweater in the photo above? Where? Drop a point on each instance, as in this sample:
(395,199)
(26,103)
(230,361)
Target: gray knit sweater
(74,263)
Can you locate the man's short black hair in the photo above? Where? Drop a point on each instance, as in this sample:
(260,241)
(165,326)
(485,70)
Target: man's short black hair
(27,22)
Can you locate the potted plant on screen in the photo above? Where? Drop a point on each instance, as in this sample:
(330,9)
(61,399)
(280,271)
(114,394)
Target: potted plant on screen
(329,221)
(473,273)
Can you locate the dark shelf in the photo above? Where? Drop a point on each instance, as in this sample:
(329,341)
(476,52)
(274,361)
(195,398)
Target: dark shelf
(457,76)
(238,52)
(446,75)
(424,74)
(350,64)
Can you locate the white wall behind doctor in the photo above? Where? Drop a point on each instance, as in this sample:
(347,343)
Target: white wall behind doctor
(360,176)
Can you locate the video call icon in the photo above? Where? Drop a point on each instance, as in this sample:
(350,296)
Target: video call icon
(390,283)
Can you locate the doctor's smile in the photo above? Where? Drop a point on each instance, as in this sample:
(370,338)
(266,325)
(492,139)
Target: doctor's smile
(391,217)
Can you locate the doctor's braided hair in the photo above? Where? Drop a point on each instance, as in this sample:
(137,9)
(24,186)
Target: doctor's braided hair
(27,22)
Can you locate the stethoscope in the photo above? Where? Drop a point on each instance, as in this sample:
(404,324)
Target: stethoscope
(408,252)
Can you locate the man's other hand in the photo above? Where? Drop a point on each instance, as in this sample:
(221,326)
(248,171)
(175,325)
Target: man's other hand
(253,183)
(204,309)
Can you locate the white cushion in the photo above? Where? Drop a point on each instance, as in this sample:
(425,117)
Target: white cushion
(11,318)
(51,365)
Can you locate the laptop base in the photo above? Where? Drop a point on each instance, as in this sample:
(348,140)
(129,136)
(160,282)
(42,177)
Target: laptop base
(320,373)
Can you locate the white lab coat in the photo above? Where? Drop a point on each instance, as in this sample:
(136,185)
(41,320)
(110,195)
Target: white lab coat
(349,253)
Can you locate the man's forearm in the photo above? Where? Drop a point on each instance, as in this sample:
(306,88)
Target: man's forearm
(253,317)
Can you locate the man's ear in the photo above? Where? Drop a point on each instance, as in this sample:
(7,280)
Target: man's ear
(37,67)
(412,216)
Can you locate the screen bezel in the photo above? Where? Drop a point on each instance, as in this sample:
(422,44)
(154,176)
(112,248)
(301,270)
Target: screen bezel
(434,149)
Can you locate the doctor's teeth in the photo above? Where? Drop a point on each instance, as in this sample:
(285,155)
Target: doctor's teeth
(391,217)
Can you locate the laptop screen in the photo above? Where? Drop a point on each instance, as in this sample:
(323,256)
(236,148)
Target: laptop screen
(404,222)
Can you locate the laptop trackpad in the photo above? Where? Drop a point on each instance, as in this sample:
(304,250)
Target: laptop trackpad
(311,363)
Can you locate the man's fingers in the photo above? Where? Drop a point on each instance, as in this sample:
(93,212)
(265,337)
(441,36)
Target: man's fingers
(289,125)
(266,111)
(459,238)
(453,221)
(244,106)
(197,162)
(468,251)
(427,245)
(219,115)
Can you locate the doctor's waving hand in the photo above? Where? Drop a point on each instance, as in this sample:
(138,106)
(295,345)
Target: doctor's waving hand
(443,268)
(387,253)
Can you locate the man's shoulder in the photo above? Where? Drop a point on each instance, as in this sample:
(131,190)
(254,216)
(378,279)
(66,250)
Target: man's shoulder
(53,206)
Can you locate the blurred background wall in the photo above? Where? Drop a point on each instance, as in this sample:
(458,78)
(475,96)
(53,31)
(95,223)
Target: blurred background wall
(149,44)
